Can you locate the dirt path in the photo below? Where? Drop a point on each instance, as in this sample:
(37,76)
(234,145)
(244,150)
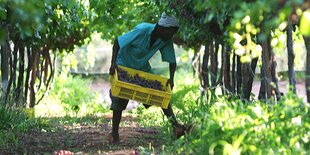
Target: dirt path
(83,138)
(87,136)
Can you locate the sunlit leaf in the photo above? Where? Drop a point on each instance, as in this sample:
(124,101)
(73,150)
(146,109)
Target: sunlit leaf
(246,19)
(274,42)
(305,23)
(238,26)
(245,58)
(282,26)
(240,51)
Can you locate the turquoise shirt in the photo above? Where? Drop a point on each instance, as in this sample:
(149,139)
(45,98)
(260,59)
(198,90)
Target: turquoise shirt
(135,51)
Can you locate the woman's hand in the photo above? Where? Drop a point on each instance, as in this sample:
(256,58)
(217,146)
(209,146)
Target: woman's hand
(112,69)
(171,82)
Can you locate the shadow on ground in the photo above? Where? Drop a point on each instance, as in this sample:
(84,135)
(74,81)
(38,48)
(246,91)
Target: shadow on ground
(87,136)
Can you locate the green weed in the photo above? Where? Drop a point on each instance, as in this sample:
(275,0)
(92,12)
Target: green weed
(13,121)
(236,127)
(72,96)
(228,125)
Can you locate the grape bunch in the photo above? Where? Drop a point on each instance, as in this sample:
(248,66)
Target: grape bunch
(123,75)
(138,80)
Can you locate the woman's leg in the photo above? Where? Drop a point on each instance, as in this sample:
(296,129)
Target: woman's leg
(170,115)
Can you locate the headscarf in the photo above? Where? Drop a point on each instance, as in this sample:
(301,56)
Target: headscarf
(168,21)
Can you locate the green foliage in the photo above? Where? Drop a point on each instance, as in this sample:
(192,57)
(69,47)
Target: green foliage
(231,126)
(57,122)
(278,44)
(185,95)
(153,116)
(228,125)
(305,23)
(34,29)
(73,92)
(75,96)
(241,24)
(113,18)
(15,119)
(57,24)
(25,17)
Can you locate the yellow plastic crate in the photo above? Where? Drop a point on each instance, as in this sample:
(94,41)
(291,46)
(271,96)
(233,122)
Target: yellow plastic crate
(141,94)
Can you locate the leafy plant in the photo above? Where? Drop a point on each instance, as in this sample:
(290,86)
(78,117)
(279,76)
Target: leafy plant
(237,127)
(75,95)
(228,125)
(14,121)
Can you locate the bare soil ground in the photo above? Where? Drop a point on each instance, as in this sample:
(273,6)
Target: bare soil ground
(88,137)
(85,139)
